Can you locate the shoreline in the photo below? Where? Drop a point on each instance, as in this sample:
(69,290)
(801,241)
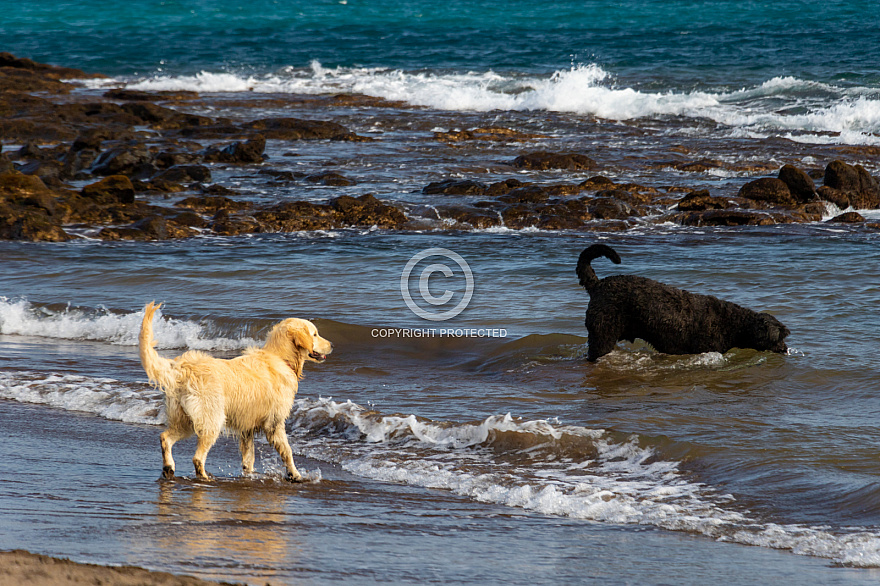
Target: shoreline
(23,567)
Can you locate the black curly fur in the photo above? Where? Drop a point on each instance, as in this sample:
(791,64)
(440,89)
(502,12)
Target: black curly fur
(671,320)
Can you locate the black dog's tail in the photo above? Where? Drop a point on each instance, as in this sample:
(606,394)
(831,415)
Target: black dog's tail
(585,272)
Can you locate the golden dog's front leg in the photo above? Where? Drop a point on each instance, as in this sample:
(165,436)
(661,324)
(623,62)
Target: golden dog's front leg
(246,446)
(278,438)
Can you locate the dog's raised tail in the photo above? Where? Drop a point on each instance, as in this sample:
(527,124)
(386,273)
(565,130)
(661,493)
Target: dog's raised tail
(159,370)
(585,273)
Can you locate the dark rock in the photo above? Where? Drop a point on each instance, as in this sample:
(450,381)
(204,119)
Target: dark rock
(455,187)
(770,190)
(238,153)
(112,189)
(544,160)
(184,174)
(190,219)
(848,218)
(296,129)
(502,187)
(211,204)
(596,183)
(31,225)
(366,210)
(167,159)
(330,178)
(726,218)
(702,200)
(476,218)
(128,160)
(861,188)
(799,183)
(835,196)
(609,208)
(140,96)
(154,227)
(162,118)
(16,184)
(526,194)
(31,150)
(50,71)
(49,171)
(5,164)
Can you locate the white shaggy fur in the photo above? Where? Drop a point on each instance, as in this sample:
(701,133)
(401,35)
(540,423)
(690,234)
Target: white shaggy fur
(252,392)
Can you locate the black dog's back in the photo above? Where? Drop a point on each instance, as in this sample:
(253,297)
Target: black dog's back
(672,320)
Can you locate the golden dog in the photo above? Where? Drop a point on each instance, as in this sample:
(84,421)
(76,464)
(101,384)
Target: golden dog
(249,393)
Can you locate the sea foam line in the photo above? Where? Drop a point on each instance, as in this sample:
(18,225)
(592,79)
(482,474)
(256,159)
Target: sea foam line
(623,483)
(20,317)
(801,109)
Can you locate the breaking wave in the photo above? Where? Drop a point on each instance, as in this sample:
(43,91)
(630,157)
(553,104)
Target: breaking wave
(784,106)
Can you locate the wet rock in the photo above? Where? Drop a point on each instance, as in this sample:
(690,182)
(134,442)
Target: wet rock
(212,204)
(525,194)
(161,118)
(296,129)
(493,134)
(50,71)
(112,189)
(799,183)
(702,200)
(597,183)
(609,208)
(330,178)
(455,187)
(184,174)
(848,218)
(16,184)
(166,159)
(726,218)
(544,160)
(366,210)
(6,165)
(861,188)
(33,225)
(835,196)
(49,171)
(282,175)
(502,187)
(238,153)
(476,218)
(140,96)
(127,160)
(191,219)
(770,190)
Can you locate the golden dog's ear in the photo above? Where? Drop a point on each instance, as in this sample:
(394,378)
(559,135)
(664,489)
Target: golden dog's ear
(302,338)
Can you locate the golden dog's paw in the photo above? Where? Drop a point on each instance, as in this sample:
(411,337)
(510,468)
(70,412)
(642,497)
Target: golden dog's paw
(167,472)
(294,478)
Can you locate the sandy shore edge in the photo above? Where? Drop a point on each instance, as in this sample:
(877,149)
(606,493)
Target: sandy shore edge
(22,567)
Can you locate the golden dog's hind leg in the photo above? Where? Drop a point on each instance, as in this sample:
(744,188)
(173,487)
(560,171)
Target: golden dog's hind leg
(246,446)
(206,441)
(167,439)
(278,438)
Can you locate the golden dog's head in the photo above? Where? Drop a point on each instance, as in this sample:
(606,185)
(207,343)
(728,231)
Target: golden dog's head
(303,335)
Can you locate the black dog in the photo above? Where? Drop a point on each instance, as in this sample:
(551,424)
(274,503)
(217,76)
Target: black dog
(673,321)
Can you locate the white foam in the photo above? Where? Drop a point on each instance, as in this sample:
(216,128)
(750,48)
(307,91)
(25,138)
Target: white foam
(802,110)
(105,397)
(623,483)
(19,317)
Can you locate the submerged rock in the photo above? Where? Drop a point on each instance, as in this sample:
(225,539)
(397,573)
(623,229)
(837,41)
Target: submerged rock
(544,160)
